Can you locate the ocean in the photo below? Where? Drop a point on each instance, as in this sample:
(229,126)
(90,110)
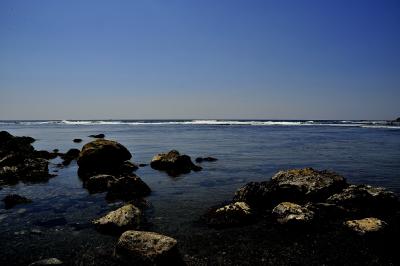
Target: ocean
(362,151)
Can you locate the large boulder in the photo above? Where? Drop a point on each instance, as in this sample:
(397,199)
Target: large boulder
(366,225)
(122,219)
(366,199)
(174,163)
(102,156)
(291,213)
(147,248)
(234,214)
(297,185)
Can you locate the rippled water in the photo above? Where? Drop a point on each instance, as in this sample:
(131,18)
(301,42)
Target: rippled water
(245,152)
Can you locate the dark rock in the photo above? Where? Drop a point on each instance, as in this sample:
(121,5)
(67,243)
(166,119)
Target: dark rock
(45,155)
(56,150)
(50,261)
(173,163)
(78,140)
(69,156)
(234,214)
(125,218)
(98,183)
(297,185)
(14,199)
(98,136)
(366,226)
(366,199)
(142,164)
(293,214)
(20,161)
(147,248)
(205,159)
(127,187)
(102,156)
(398,119)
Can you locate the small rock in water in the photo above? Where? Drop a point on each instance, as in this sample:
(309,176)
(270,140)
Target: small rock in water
(291,213)
(50,261)
(366,225)
(69,156)
(143,164)
(77,140)
(173,163)
(14,199)
(147,248)
(124,218)
(205,159)
(98,136)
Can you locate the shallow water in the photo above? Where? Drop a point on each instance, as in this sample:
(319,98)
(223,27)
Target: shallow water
(62,208)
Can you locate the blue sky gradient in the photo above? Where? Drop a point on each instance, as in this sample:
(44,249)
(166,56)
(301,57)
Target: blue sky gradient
(157,59)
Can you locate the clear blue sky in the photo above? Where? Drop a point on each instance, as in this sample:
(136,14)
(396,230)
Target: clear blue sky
(200,59)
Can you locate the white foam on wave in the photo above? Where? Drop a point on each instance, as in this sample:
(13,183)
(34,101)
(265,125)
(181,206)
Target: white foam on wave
(344,123)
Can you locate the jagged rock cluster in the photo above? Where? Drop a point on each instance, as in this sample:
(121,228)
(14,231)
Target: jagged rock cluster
(307,196)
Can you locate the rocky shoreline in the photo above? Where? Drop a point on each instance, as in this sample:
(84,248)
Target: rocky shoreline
(315,209)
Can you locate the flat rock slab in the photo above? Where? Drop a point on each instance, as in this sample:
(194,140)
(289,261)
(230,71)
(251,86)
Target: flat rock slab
(366,225)
(147,248)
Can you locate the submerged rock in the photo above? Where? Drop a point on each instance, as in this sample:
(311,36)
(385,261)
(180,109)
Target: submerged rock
(147,248)
(69,156)
(233,214)
(122,219)
(291,213)
(98,183)
(50,261)
(14,199)
(366,199)
(297,185)
(98,136)
(205,159)
(127,187)
(366,225)
(102,156)
(173,163)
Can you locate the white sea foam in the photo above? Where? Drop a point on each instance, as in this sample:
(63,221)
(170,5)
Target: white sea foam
(344,123)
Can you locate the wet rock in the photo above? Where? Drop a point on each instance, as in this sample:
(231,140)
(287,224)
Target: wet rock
(366,199)
(69,156)
(233,214)
(125,218)
(20,161)
(205,159)
(294,214)
(77,140)
(45,154)
(98,136)
(173,163)
(297,185)
(366,225)
(98,183)
(50,261)
(142,164)
(102,156)
(147,248)
(13,200)
(127,187)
